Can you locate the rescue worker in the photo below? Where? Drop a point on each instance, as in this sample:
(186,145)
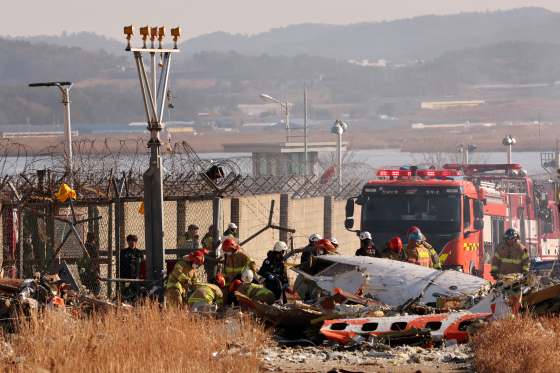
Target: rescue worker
(253,292)
(190,239)
(313,240)
(510,256)
(367,248)
(325,247)
(207,239)
(184,275)
(334,242)
(435,258)
(209,293)
(236,260)
(130,258)
(231,230)
(274,271)
(416,252)
(393,250)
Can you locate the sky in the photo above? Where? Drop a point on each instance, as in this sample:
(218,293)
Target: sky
(108,17)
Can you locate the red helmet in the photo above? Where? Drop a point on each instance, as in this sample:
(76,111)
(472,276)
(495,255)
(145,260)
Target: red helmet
(395,244)
(220,279)
(229,244)
(197,257)
(412,229)
(325,244)
(234,285)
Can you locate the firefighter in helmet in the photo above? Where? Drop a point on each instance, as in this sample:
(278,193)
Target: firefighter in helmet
(510,256)
(325,247)
(184,275)
(435,258)
(367,247)
(393,250)
(416,252)
(313,240)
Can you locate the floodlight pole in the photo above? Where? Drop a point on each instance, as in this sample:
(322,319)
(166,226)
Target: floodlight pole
(67,126)
(154,100)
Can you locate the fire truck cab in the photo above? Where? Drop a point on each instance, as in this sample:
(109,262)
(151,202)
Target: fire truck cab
(463,211)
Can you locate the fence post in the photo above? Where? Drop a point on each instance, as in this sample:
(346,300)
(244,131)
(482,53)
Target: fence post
(217,221)
(117,237)
(284,215)
(181,221)
(20,242)
(328,217)
(1,237)
(110,252)
(236,216)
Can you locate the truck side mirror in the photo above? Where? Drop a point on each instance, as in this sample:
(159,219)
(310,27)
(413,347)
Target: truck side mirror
(478,209)
(478,225)
(349,224)
(543,200)
(362,200)
(350,208)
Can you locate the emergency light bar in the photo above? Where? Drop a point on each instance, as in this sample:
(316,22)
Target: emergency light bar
(421,173)
(482,167)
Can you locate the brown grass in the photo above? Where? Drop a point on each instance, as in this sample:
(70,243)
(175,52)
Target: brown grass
(523,344)
(139,340)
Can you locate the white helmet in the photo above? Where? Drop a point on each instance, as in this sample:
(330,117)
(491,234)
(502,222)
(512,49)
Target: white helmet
(333,241)
(365,236)
(315,238)
(247,276)
(280,246)
(231,226)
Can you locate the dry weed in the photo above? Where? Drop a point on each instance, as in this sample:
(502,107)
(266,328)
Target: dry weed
(523,344)
(143,339)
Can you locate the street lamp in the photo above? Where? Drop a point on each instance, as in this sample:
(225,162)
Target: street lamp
(338,128)
(466,149)
(508,141)
(285,107)
(67,127)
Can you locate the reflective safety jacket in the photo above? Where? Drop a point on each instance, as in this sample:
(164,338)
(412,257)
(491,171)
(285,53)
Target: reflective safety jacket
(369,250)
(183,275)
(229,233)
(188,241)
(236,263)
(252,290)
(435,258)
(207,293)
(418,254)
(207,240)
(510,259)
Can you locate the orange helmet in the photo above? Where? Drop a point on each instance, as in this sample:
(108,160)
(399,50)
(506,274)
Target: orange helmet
(234,285)
(220,280)
(412,229)
(197,257)
(395,244)
(326,245)
(229,244)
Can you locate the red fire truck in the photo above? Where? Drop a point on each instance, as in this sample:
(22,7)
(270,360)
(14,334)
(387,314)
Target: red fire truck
(462,210)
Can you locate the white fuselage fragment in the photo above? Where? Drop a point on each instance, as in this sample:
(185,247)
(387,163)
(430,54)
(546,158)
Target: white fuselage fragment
(389,281)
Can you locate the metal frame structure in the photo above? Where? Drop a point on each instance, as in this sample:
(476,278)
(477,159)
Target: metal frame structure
(153,178)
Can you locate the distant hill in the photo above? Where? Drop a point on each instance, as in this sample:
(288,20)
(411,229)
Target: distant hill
(86,40)
(424,37)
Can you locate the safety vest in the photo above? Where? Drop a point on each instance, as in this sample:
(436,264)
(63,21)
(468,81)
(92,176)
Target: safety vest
(261,290)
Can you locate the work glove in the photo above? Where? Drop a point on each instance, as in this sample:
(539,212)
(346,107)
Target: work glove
(270,277)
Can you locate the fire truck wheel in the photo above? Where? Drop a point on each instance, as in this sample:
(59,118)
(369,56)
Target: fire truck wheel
(472,269)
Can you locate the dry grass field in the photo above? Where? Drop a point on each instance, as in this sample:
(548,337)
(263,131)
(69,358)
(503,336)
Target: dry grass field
(519,345)
(143,339)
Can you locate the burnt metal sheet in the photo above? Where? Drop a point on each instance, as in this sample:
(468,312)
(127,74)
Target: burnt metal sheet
(391,282)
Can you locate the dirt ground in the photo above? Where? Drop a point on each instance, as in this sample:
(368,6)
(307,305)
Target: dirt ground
(368,366)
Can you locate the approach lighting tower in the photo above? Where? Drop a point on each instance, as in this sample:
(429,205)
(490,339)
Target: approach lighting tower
(154,98)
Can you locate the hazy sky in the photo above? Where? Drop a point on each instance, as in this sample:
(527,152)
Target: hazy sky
(107,17)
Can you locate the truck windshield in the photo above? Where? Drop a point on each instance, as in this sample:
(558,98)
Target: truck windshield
(441,214)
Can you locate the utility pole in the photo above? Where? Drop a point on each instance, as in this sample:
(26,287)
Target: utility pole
(153,178)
